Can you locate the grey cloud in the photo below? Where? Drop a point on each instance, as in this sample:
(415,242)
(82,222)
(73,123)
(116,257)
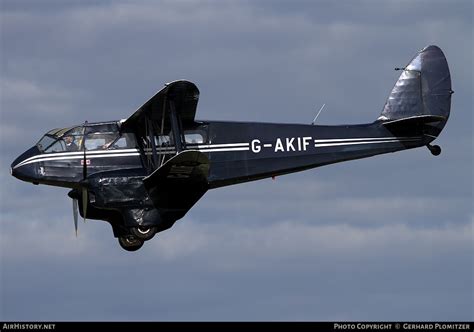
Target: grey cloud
(273,268)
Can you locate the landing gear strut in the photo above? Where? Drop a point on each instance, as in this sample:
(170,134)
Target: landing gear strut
(130,242)
(434,149)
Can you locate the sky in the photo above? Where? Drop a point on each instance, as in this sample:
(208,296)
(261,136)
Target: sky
(383,238)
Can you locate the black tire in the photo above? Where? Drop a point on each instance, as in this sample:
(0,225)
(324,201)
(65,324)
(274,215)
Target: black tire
(143,233)
(436,150)
(130,243)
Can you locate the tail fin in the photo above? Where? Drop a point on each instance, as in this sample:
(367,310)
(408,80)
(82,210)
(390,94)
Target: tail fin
(421,97)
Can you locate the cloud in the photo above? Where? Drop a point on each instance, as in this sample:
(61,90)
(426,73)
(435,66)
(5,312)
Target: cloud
(231,245)
(25,104)
(319,271)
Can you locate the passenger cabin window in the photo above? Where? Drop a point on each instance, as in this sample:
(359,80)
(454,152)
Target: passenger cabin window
(193,138)
(162,141)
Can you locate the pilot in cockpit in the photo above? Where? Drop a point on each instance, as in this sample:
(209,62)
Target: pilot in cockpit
(70,145)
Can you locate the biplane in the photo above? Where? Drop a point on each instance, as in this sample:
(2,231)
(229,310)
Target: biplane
(144,173)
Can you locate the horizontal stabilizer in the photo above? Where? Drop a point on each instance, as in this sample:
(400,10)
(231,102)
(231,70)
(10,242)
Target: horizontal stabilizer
(426,125)
(414,120)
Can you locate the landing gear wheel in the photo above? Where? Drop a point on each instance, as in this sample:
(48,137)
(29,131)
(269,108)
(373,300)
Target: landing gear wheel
(434,149)
(130,243)
(144,233)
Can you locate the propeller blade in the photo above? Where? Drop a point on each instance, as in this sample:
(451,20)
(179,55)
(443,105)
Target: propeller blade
(85,200)
(74,212)
(84,165)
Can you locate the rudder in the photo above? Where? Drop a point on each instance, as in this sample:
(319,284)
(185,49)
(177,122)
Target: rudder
(422,93)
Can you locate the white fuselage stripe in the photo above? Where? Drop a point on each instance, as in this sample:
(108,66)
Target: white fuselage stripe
(222,145)
(363,139)
(78,157)
(230,149)
(370,142)
(203,148)
(79,154)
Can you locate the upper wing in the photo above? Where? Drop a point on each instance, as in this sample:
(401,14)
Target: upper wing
(184,96)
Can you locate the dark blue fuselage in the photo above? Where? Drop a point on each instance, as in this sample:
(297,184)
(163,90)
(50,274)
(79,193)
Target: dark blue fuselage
(237,151)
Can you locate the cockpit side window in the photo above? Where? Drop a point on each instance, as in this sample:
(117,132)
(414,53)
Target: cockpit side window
(58,146)
(45,142)
(73,139)
(61,140)
(99,141)
(125,141)
(101,137)
(92,137)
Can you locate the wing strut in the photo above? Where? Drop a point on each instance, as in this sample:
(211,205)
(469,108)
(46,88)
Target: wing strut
(175,128)
(153,143)
(162,130)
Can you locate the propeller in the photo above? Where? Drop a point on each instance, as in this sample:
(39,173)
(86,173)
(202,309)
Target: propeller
(74,193)
(75,207)
(84,203)
(85,199)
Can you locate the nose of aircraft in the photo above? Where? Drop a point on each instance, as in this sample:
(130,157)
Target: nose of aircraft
(24,168)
